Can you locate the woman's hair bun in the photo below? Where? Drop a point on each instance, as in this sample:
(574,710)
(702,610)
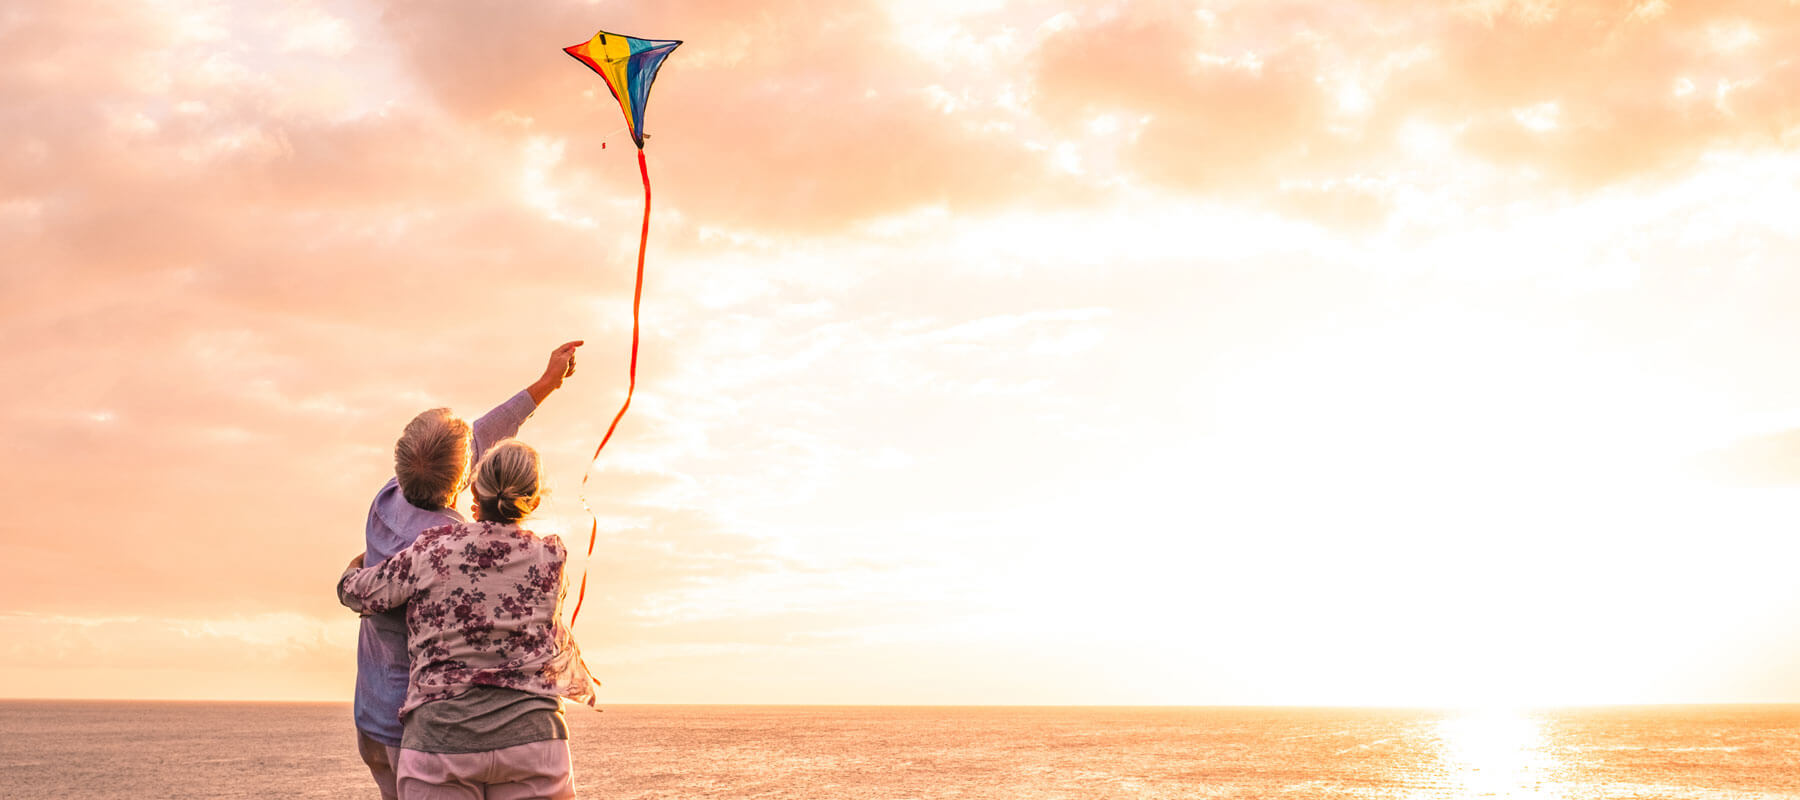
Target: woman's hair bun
(506,481)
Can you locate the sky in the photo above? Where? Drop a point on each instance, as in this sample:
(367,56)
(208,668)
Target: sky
(994,352)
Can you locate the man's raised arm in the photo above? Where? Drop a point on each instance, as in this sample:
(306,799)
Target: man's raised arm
(505,419)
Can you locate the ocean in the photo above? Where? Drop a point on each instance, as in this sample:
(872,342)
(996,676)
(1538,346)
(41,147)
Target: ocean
(91,750)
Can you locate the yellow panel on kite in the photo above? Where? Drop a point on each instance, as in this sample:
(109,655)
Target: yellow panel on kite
(629,66)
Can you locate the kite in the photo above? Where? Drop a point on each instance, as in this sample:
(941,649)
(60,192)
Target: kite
(629,65)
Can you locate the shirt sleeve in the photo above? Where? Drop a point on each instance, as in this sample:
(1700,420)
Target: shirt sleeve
(385,586)
(502,422)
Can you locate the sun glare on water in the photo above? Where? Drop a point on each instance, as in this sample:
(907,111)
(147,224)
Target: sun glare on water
(1496,753)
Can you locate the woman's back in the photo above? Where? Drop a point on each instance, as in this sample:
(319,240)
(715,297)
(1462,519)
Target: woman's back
(483,608)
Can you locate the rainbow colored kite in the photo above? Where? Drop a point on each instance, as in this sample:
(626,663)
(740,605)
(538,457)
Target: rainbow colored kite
(629,65)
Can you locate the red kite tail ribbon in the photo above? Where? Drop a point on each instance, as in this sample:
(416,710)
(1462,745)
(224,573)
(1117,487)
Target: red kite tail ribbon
(637,295)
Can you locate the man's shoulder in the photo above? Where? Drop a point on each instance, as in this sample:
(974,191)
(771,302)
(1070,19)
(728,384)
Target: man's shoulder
(394,523)
(389,489)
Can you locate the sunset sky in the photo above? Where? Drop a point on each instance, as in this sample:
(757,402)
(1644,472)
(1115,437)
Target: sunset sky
(1324,352)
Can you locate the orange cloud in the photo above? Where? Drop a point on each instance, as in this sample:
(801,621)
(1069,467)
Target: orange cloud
(1583,94)
(1220,112)
(1636,91)
(791,116)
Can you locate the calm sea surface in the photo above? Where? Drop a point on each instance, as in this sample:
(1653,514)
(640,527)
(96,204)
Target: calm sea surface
(101,751)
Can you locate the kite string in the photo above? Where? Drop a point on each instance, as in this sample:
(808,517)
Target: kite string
(637,294)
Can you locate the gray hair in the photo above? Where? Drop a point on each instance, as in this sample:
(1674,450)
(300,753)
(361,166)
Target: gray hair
(432,458)
(506,481)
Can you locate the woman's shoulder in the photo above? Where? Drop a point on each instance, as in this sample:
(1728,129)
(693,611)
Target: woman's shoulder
(548,541)
(448,530)
(450,536)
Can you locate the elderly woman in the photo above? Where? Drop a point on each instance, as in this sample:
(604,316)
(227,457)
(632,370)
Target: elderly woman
(490,655)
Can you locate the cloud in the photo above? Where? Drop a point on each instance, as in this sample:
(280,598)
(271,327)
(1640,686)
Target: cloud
(230,643)
(1219,112)
(1616,77)
(1575,95)
(788,116)
(1767,460)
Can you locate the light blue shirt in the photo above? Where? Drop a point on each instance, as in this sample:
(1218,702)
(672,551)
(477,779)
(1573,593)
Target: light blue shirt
(381,660)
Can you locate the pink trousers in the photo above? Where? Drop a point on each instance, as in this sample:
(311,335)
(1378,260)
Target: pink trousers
(535,771)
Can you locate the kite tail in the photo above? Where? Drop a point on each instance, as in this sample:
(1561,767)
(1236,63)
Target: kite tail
(637,294)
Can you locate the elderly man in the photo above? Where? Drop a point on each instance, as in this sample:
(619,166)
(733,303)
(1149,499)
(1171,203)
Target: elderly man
(431,464)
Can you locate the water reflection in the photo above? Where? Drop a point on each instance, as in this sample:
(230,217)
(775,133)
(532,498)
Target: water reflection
(1496,754)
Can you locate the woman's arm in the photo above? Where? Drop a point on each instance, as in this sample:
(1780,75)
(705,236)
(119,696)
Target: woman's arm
(372,590)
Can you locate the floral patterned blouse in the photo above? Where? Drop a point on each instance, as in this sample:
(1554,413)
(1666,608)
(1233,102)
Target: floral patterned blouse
(483,608)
